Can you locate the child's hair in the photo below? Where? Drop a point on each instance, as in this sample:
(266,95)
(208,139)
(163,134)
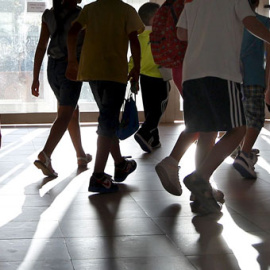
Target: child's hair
(252,2)
(57,8)
(147,12)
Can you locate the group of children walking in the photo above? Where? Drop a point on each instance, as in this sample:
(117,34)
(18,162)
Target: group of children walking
(92,46)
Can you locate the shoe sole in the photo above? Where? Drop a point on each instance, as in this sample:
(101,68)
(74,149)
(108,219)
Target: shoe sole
(103,190)
(241,169)
(198,188)
(143,143)
(40,165)
(166,183)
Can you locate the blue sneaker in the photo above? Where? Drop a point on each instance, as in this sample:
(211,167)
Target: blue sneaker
(102,185)
(121,173)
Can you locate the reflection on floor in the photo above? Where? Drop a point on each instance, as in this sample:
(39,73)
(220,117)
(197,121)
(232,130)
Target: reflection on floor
(57,224)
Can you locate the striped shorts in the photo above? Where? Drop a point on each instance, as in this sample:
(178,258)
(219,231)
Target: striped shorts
(254,106)
(212,104)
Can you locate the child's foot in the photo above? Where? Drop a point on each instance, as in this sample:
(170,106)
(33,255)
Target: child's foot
(196,205)
(102,184)
(167,171)
(244,164)
(144,139)
(44,164)
(122,170)
(83,161)
(203,192)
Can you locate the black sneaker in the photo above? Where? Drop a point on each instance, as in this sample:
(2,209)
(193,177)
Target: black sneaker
(121,172)
(144,139)
(102,185)
(155,143)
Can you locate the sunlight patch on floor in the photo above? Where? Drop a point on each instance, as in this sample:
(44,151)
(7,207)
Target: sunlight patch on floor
(240,242)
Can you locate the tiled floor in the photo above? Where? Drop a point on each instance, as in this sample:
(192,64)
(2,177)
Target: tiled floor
(57,224)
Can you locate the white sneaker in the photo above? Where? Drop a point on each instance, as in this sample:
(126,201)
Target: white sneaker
(217,194)
(245,165)
(167,171)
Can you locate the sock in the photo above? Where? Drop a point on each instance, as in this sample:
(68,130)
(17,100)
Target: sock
(98,175)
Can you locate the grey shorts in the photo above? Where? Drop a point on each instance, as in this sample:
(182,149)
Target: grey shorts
(254,106)
(212,104)
(109,97)
(67,92)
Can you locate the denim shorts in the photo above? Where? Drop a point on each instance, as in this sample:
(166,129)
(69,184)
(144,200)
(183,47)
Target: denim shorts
(109,97)
(254,106)
(67,92)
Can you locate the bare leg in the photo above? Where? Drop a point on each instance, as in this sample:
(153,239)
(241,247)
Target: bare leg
(205,144)
(115,151)
(58,129)
(183,143)
(220,151)
(75,133)
(103,149)
(250,139)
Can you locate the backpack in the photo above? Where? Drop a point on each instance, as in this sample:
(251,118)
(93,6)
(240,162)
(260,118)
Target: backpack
(168,51)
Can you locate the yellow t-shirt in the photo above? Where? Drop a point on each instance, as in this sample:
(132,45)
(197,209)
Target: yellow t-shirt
(148,65)
(104,53)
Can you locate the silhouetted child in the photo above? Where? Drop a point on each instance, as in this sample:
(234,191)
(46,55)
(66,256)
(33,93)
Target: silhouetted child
(55,25)
(110,26)
(154,87)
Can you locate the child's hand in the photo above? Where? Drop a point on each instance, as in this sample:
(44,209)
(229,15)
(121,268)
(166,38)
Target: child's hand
(134,87)
(134,75)
(72,71)
(35,88)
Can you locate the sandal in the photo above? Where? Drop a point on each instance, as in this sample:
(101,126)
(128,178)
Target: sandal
(83,161)
(45,167)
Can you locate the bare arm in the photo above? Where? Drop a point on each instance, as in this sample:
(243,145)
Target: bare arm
(182,34)
(39,55)
(72,68)
(136,56)
(257,28)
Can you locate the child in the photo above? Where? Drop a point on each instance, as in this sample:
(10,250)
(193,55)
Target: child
(167,169)
(110,26)
(211,83)
(155,90)
(252,56)
(55,25)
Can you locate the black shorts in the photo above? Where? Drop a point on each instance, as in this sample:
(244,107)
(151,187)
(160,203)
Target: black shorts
(67,92)
(212,104)
(109,97)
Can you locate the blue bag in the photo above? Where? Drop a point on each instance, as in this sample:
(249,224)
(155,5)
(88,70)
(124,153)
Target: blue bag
(130,121)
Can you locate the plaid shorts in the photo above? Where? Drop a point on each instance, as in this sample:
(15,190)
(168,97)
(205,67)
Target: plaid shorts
(254,105)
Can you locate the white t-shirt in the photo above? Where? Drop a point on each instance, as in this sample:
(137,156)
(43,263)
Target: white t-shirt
(215,32)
